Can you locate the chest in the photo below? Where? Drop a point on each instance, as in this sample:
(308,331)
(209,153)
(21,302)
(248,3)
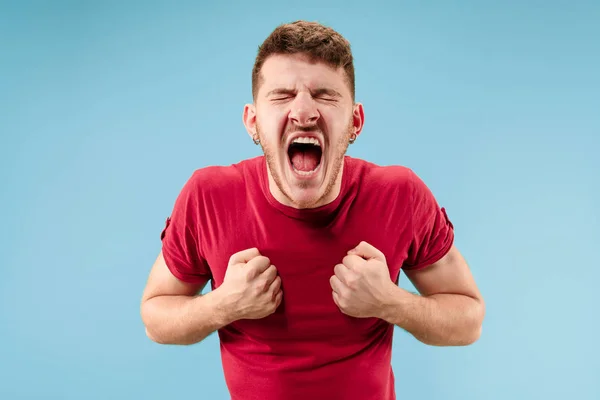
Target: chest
(305,257)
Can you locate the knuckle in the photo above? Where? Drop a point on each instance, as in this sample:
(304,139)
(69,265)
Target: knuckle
(264,284)
(351,282)
(249,273)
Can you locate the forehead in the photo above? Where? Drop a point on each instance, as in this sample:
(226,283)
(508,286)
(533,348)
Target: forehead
(297,71)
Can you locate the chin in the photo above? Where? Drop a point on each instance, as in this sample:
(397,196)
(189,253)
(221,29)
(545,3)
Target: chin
(304,190)
(302,170)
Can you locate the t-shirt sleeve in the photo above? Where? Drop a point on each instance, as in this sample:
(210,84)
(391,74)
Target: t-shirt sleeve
(181,236)
(432,230)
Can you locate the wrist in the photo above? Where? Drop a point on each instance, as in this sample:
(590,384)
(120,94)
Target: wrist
(392,304)
(223,309)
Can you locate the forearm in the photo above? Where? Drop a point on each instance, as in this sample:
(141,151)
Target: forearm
(183,320)
(438,320)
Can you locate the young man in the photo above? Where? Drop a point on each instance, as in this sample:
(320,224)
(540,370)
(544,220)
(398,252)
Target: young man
(304,245)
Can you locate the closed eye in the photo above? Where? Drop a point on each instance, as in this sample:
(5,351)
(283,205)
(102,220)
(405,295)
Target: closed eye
(279,94)
(326,98)
(325,94)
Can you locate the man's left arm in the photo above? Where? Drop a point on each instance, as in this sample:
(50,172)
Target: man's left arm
(449,310)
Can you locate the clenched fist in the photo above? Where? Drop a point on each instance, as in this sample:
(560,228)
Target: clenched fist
(251,288)
(361,283)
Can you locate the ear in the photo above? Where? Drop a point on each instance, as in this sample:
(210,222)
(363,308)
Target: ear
(249,119)
(358,118)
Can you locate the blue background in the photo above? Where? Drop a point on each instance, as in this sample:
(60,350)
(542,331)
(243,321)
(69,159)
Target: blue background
(107,107)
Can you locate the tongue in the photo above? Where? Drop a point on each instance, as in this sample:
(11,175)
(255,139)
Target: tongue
(305,159)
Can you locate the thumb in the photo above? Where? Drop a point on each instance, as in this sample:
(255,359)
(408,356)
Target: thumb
(367,251)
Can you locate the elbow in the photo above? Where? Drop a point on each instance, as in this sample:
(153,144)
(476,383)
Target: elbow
(466,331)
(154,338)
(474,334)
(472,337)
(471,330)
(161,340)
(146,320)
(151,336)
(159,336)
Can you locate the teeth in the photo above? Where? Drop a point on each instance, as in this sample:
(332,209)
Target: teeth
(307,140)
(305,173)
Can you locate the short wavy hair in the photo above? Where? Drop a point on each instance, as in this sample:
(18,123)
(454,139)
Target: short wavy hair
(317,41)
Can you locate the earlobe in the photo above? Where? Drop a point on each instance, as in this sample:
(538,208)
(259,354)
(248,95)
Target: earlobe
(249,119)
(358,118)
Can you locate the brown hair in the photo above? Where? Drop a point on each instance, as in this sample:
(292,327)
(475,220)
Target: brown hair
(317,41)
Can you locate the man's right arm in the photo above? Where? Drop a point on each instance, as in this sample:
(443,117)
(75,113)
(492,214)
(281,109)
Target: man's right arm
(175,312)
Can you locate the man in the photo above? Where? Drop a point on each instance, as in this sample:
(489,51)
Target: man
(304,245)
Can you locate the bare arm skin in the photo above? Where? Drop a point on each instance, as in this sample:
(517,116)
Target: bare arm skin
(450,309)
(174,312)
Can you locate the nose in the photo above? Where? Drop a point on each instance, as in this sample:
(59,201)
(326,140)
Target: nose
(304,110)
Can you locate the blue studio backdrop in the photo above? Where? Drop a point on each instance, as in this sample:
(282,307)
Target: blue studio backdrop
(106,108)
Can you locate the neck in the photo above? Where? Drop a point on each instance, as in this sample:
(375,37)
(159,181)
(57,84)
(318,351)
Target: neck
(328,197)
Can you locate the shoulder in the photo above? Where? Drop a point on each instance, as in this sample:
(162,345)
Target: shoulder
(376,176)
(217,180)
(390,180)
(215,177)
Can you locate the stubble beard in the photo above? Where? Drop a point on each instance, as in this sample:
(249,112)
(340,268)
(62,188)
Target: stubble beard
(341,149)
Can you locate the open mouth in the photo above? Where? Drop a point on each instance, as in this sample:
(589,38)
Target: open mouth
(305,155)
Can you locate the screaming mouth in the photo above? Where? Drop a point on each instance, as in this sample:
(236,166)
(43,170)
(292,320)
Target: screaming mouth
(305,155)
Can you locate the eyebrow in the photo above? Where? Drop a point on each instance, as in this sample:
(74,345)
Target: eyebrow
(316,92)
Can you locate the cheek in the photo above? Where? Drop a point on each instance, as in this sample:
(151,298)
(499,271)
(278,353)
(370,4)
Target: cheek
(272,123)
(337,126)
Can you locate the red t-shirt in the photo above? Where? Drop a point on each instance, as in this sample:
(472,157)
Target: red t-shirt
(307,349)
